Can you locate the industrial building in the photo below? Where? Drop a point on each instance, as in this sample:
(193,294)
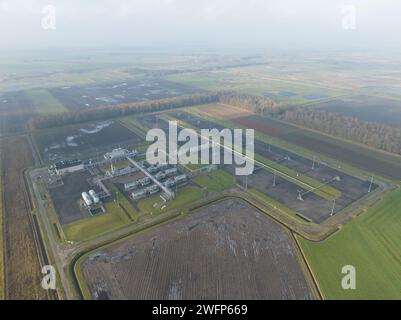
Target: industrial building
(67,166)
(131,185)
(118,172)
(119,154)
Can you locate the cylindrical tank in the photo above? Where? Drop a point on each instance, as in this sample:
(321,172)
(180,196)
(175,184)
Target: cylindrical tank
(94,196)
(87,199)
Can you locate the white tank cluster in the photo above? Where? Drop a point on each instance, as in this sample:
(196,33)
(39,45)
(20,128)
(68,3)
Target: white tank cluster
(87,198)
(94,196)
(91,198)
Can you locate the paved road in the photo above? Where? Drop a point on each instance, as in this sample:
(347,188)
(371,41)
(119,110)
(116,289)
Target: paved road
(59,254)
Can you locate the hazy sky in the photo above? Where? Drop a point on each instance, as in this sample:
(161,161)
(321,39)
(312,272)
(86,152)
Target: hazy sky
(261,23)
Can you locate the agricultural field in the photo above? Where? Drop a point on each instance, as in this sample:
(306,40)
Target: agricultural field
(368,108)
(16,109)
(22,265)
(227,250)
(215,181)
(246,80)
(82,141)
(44,103)
(371,244)
(95,95)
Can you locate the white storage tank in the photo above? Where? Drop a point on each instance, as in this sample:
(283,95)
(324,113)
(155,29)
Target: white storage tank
(87,199)
(94,196)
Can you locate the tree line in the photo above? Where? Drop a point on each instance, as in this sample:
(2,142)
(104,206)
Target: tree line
(372,134)
(260,105)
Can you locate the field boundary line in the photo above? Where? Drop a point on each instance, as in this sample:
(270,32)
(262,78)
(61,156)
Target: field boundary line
(2,235)
(309,268)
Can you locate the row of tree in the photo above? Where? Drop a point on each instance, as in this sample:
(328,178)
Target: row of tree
(108,112)
(372,134)
(260,105)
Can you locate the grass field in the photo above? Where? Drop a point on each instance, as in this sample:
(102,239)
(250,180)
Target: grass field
(115,217)
(94,226)
(184,196)
(216,181)
(246,81)
(44,103)
(371,244)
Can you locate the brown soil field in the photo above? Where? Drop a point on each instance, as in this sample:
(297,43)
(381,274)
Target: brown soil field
(227,250)
(263,127)
(224,111)
(368,108)
(22,266)
(370,160)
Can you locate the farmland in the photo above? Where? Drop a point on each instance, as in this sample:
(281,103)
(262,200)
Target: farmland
(198,256)
(247,80)
(15,110)
(82,141)
(368,108)
(95,95)
(370,243)
(22,270)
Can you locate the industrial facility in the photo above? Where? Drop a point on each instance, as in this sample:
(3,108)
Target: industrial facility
(117,172)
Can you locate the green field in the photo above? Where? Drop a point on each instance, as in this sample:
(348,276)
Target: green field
(371,243)
(97,225)
(245,80)
(215,181)
(114,218)
(44,103)
(184,196)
